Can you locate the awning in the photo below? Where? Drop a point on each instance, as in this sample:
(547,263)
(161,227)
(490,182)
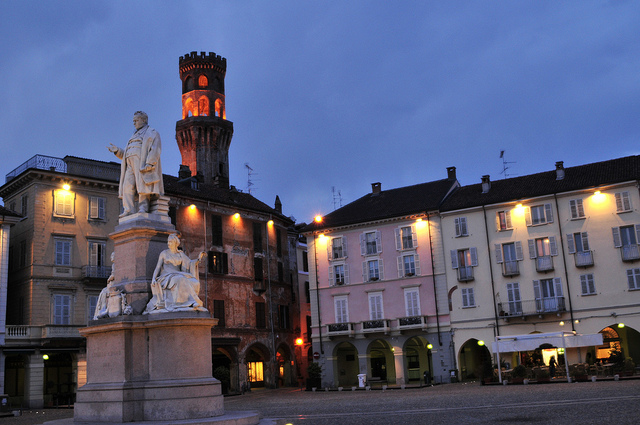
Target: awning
(529,342)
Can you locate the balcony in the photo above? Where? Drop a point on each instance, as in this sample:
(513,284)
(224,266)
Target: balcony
(17,333)
(371,326)
(465,273)
(630,252)
(531,307)
(341,329)
(96,272)
(412,322)
(544,263)
(584,258)
(510,268)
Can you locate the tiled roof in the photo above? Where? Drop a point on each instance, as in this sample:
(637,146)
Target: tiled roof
(398,202)
(228,197)
(545,183)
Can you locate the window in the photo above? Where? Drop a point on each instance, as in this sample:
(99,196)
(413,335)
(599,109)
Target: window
(97,208)
(341,309)
(92,302)
(541,250)
(283,316)
(508,255)
(513,295)
(375,306)
(218,263)
(257,237)
(307,292)
(280,272)
(61,309)
(23,254)
(412,302)
(370,243)
(62,252)
(538,214)
(337,249)
(578,244)
(218,313)
(406,238)
(461,226)
(23,205)
(633,276)
(626,238)
(203,82)
(408,265)
(338,274)
(261,320)
(503,220)
(372,270)
(577,209)
(587,284)
(216,230)
(97,251)
(257,269)
(63,203)
(12,206)
(623,202)
(305,262)
(468,299)
(548,294)
(278,242)
(464,260)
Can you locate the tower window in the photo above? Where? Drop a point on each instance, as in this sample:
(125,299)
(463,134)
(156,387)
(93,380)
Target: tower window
(203,106)
(203,81)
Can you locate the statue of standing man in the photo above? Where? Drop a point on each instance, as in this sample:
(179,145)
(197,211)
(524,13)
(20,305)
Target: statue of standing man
(140,171)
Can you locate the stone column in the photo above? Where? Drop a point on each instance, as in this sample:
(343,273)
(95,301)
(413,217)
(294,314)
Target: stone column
(81,369)
(398,357)
(34,381)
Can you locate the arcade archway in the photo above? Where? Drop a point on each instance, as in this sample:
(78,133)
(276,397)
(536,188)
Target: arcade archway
(417,359)
(471,359)
(347,365)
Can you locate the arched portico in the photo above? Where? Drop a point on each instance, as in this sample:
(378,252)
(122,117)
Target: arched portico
(471,358)
(286,377)
(346,370)
(381,362)
(417,359)
(258,366)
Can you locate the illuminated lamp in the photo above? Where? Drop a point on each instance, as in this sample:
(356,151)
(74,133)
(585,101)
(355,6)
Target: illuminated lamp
(236,216)
(45,357)
(318,219)
(481,343)
(299,341)
(562,323)
(599,196)
(270,223)
(620,325)
(577,321)
(429,346)
(66,186)
(321,236)
(192,207)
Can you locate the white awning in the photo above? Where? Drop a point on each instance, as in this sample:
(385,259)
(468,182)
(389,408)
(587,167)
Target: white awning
(529,342)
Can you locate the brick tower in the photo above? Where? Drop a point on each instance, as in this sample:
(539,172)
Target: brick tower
(204,134)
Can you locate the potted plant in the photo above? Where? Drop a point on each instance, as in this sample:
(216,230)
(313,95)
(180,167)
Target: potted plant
(543,375)
(518,374)
(487,371)
(314,373)
(629,366)
(580,373)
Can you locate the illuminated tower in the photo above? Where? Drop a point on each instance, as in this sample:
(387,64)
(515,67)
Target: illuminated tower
(204,134)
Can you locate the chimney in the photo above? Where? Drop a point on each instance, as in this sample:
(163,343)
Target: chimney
(559,170)
(278,205)
(486,184)
(376,188)
(184,172)
(451,173)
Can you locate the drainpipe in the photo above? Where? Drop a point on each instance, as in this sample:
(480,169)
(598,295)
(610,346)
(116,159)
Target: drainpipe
(433,273)
(315,262)
(564,261)
(273,334)
(493,286)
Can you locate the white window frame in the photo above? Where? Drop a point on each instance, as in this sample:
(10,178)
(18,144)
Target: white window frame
(572,245)
(331,248)
(533,247)
(587,284)
(577,209)
(623,202)
(633,279)
(64,203)
(364,243)
(97,208)
(412,302)
(341,309)
(92,302)
(332,274)
(401,265)
(62,251)
(461,228)
(376,306)
(507,220)
(403,240)
(366,270)
(617,235)
(97,253)
(468,298)
(544,216)
(61,308)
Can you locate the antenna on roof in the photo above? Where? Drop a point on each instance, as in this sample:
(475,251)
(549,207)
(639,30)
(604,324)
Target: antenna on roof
(504,164)
(249,174)
(337,197)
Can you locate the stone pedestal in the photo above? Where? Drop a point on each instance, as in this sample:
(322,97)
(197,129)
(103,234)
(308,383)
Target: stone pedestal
(138,241)
(149,368)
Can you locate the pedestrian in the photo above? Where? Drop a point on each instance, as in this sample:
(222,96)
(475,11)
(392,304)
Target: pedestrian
(552,367)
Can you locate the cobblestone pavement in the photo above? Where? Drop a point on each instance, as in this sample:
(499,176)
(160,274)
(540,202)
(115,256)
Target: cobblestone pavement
(610,402)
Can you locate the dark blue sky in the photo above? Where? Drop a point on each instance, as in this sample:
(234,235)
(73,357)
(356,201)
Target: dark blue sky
(331,93)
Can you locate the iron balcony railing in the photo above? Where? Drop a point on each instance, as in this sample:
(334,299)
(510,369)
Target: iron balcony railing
(25,332)
(584,258)
(96,271)
(336,329)
(544,263)
(412,322)
(40,162)
(381,325)
(510,268)
(630,252)
(532,307)
(465,273)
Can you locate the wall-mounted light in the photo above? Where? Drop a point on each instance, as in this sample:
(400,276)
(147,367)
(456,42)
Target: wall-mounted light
(270,223)
(429,346)
(299,341)
(562,323)
(318,218)
(66,186)
(45,357)
(481,343)
(599,196)
(236,216)
(192,207)
(620,325)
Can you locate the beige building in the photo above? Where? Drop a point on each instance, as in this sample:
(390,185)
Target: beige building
(544,253)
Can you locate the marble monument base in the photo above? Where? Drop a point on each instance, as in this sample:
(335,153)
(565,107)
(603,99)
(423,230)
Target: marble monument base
(149,368)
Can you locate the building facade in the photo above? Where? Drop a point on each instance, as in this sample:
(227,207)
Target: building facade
(550,252)
(378,288)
